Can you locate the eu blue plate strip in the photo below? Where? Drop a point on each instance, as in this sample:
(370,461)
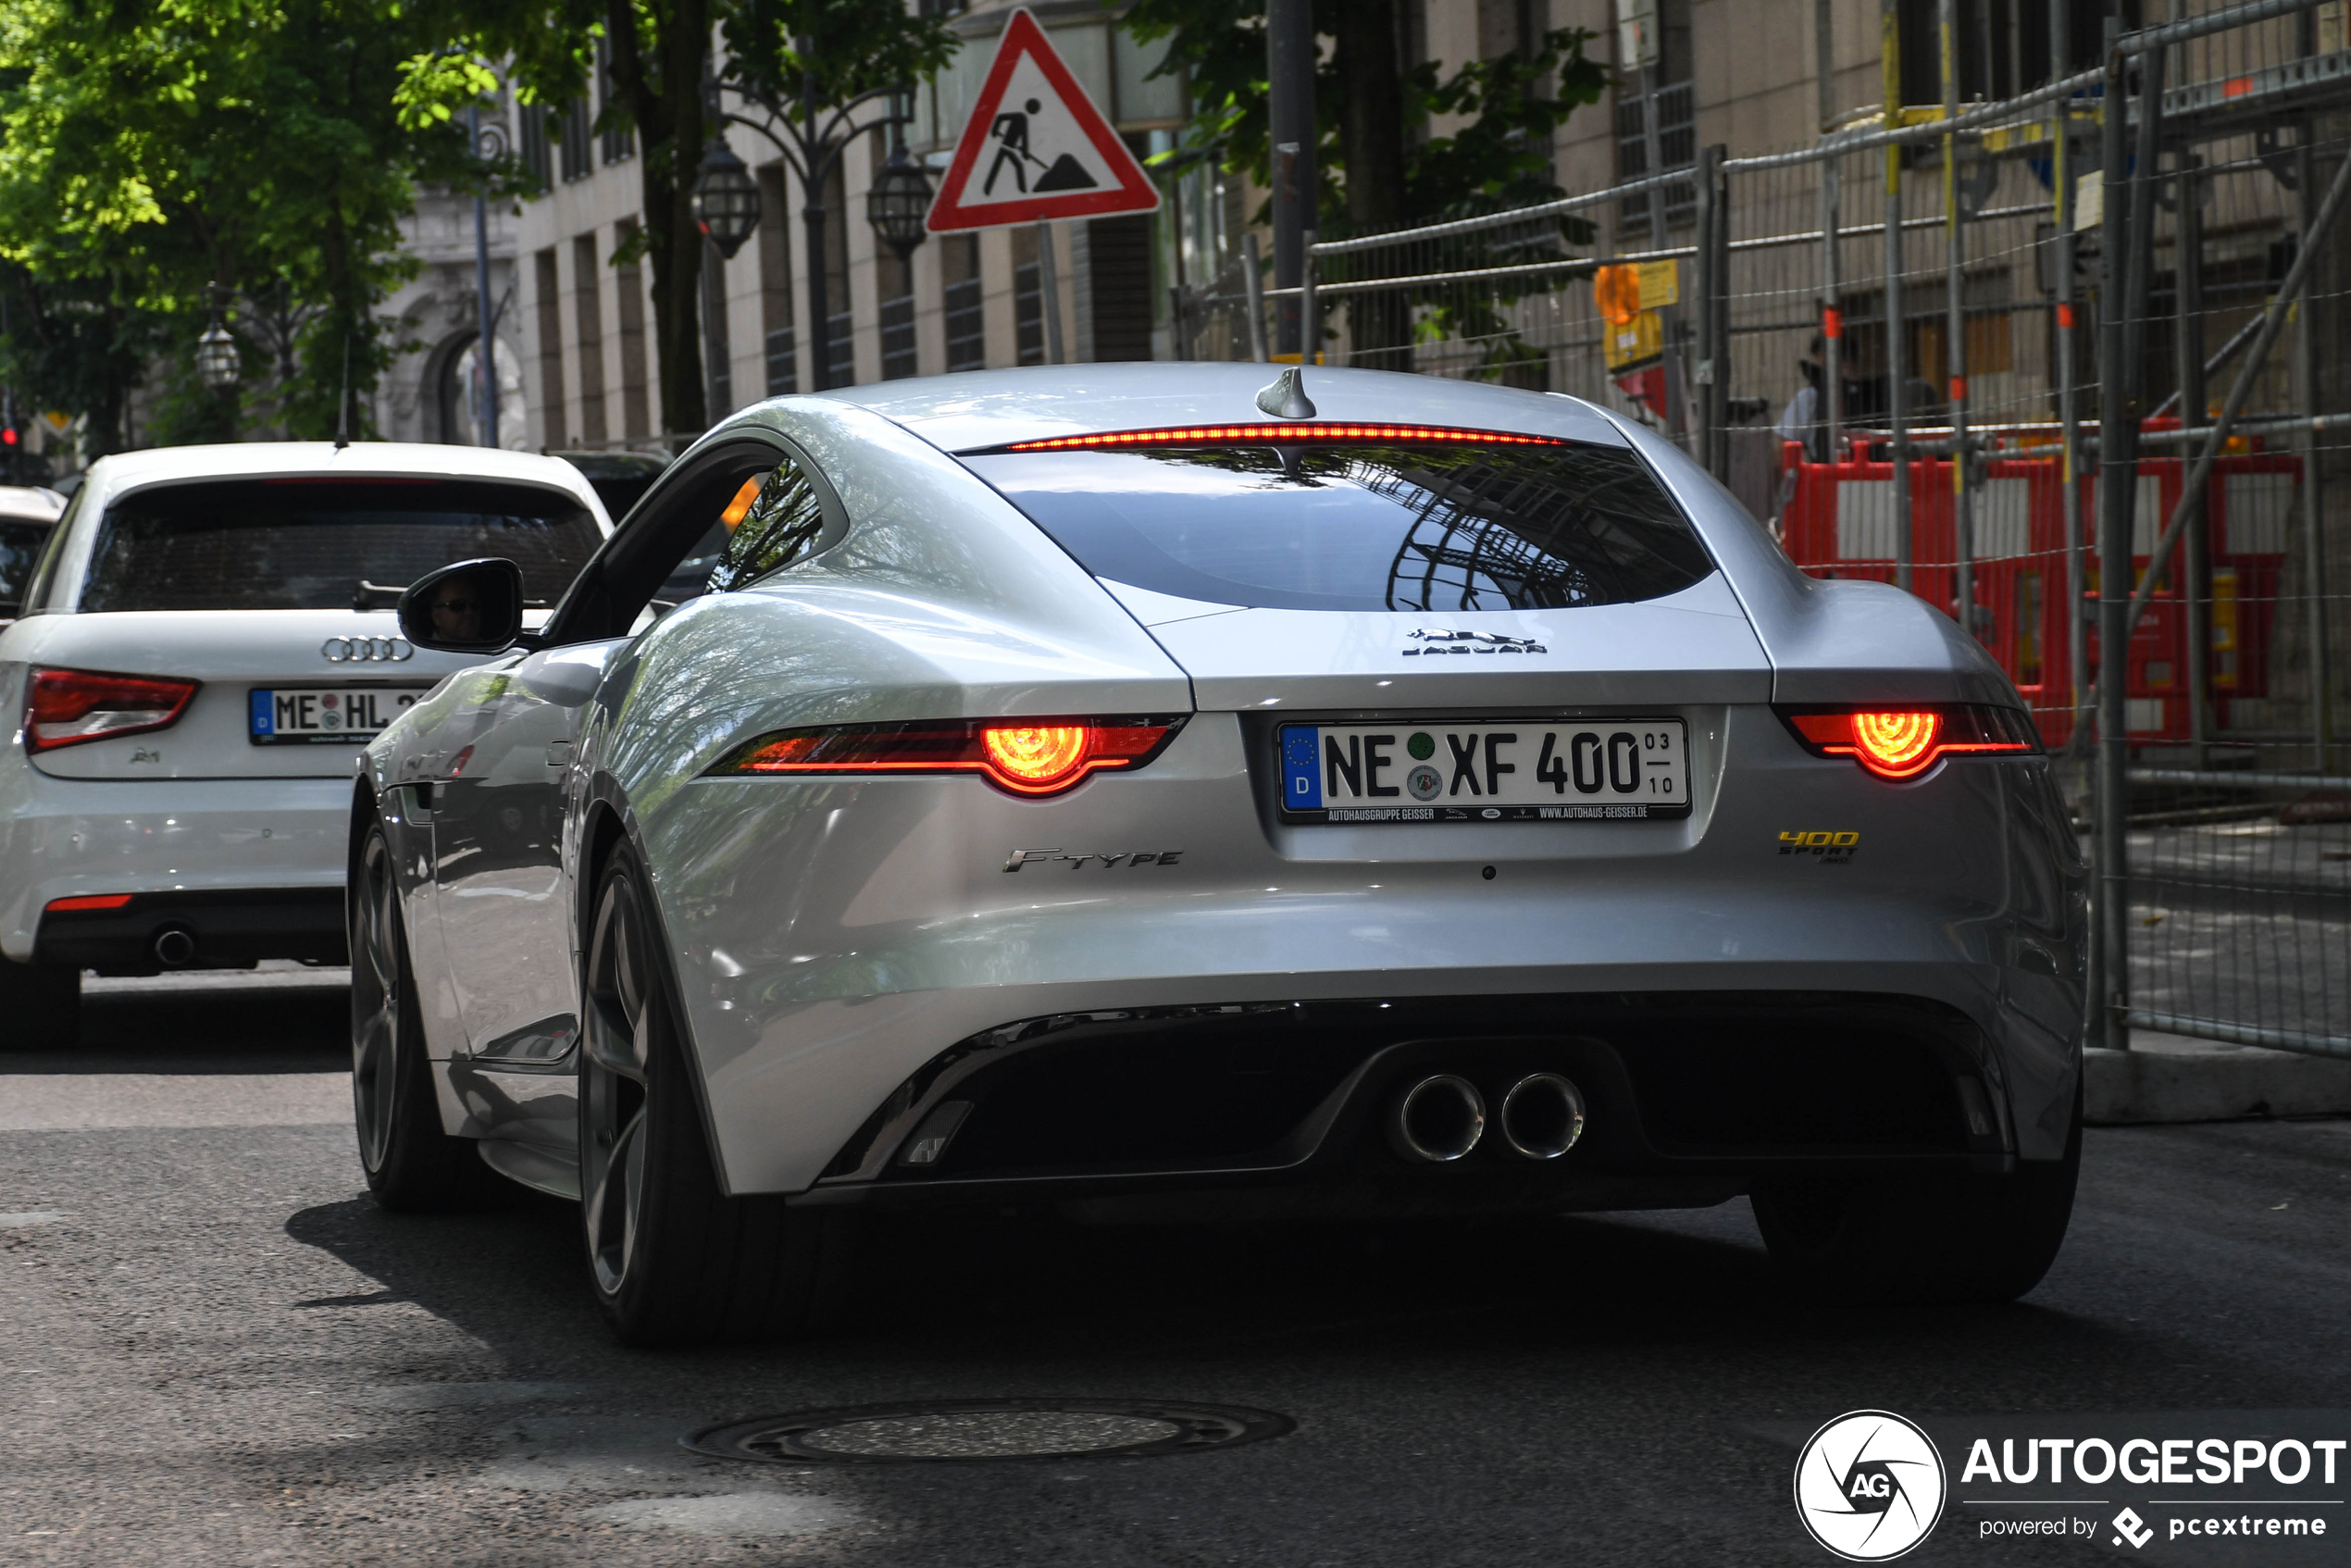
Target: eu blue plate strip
(1301,768)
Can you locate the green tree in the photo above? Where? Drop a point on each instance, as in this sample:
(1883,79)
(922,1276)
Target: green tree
(658,67)
(1377,170)
(153,149)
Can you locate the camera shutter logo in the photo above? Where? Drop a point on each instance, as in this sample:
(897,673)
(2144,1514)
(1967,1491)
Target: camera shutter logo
(1870,1485)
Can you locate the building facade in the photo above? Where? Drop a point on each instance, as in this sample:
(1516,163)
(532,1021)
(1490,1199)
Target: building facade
(433,390)
(960,302)
(1745,73)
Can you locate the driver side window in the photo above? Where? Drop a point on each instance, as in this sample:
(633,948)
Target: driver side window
(782,524)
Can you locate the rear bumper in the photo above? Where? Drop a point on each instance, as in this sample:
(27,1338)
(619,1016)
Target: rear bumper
(831,940)
(1271,1109)
(242,847)
(197,930)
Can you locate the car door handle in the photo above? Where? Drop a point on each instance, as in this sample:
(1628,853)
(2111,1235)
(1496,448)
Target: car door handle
(559,754)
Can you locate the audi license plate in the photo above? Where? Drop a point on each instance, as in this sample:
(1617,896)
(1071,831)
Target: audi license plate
(1503,770)
(304,715)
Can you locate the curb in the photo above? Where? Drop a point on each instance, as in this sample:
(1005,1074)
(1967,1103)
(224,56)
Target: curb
(2166,1078)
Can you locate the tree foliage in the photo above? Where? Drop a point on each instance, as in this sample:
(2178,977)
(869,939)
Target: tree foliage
(1398,144)
(851,46)
(153,149)
(659,65)
(1377,165)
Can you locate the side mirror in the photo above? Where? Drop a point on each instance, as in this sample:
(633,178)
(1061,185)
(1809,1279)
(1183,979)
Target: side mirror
(467,608)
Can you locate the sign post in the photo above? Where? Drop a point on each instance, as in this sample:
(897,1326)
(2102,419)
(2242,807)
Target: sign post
(1036,150)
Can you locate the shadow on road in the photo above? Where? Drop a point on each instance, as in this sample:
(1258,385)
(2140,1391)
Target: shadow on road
(272,1022)
(940,1292)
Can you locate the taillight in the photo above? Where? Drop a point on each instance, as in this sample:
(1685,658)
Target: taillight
(1028,757)
(67,708)
(1905,743)
(1330,432)
(86,902)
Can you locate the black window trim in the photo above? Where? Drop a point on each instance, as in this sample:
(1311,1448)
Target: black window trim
(623,576)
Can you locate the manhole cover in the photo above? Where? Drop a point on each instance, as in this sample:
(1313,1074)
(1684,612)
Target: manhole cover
(927,1431)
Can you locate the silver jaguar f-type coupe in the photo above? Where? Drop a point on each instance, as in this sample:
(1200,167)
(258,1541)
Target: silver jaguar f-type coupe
(1148,793)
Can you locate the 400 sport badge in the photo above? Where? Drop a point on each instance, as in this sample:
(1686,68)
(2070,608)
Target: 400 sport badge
(1870,1485)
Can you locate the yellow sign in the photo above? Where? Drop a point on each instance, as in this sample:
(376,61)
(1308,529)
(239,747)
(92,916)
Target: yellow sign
(1639,341)
(58,422)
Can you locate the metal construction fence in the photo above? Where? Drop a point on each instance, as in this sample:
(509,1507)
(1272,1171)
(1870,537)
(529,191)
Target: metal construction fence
(1920,349)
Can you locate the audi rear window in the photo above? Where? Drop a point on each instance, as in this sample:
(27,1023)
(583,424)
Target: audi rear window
(20,544)
(310,545)
(1368,525)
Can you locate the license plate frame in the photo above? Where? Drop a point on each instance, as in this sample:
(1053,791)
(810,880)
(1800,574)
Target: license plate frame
(266,709)
(1576,783)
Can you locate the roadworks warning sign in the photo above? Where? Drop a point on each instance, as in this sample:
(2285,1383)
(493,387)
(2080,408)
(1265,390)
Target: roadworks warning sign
(1036,148)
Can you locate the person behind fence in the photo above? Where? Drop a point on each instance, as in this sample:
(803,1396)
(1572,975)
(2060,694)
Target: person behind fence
(1801,421)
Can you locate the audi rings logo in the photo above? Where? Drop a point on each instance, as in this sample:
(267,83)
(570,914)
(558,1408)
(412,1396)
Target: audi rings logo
(366,650)
(1870,1485)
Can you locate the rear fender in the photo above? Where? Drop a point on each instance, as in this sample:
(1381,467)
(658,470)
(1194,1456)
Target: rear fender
(1828,641)
(606,825)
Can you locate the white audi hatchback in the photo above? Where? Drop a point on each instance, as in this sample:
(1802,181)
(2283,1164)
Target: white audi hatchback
(207,639)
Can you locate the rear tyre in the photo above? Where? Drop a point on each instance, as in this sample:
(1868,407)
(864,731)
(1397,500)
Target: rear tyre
(1930,1240)
(673,1259)
(42,1004)
(411,1166)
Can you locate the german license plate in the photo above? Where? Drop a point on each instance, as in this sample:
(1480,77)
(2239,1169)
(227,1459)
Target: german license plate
(1503,770)
(305,715)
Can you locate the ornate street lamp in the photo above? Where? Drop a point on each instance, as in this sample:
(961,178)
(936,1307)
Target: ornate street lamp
(489,146)
(725,198)
(812,137)
(899,202)
(216,365)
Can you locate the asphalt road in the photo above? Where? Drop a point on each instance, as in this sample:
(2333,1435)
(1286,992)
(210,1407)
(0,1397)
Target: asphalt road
(214,1349)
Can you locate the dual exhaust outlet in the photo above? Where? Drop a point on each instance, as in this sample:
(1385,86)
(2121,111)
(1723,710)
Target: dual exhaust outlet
(1440,1118)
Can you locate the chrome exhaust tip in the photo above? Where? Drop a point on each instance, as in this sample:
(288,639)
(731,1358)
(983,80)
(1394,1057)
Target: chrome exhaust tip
(174,946)
(1436,1120)
(1542,1117)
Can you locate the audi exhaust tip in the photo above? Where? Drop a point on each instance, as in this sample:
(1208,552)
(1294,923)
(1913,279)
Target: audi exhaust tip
(1436,1120)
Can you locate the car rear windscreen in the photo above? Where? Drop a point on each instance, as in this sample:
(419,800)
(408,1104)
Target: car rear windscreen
(336,544)
(20,544)
(1362,527)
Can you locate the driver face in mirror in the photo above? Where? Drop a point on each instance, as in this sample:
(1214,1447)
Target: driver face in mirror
(456,608)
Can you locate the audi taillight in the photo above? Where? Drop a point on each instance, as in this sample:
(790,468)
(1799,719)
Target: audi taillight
(1904,743)
(1032,758)
(67,708)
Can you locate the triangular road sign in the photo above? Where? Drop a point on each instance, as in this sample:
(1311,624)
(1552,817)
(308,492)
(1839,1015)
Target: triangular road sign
(1034,148)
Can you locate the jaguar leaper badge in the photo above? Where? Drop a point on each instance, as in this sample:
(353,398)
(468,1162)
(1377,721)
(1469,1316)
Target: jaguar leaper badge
(1437,640)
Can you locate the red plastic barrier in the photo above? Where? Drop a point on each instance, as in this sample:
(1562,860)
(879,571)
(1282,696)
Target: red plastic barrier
(1838,521)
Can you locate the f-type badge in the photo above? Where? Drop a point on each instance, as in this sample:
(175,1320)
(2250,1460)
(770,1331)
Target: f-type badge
(1019,858)
(1437,640)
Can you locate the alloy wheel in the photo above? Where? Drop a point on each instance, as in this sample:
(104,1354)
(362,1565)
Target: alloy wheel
(374,1003)
(612,1085)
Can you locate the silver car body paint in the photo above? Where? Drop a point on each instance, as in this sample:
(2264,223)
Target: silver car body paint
(830,936)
